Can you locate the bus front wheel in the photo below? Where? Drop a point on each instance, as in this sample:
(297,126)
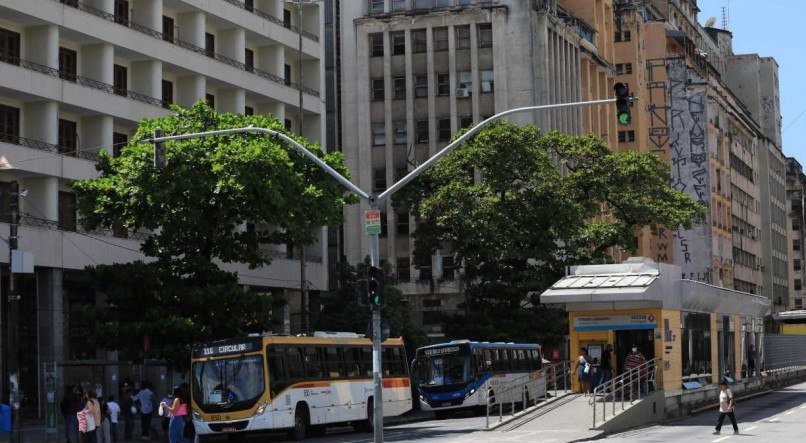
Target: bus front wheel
(301,423)
(368,425)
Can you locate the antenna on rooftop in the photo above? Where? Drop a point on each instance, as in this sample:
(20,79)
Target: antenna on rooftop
(726,16)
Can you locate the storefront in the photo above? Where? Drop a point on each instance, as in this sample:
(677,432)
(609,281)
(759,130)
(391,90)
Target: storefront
(697,331)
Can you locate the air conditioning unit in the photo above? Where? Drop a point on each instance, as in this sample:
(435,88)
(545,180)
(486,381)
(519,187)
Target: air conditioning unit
(462,93)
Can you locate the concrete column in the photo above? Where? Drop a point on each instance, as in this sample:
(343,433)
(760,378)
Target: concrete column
(146,78)
(191,27)
(454,78)
(40,121)
(103,5)
(271,59)
(51,331)
(273,7)
(276,109)
(147,13)
(231,100)
(97,130)
(310,18)
(231,43)
(97,62)
(311,74)
(42,45)
(311,127)
(43,197)
(190,89)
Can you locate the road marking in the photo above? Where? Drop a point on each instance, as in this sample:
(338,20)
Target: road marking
(751,428)
(775,419)
(721,438)
(789,412)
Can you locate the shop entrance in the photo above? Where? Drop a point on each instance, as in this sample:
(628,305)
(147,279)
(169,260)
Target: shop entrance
(625,340)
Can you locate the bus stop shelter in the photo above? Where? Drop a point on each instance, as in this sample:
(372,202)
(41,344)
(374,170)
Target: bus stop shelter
(699,332)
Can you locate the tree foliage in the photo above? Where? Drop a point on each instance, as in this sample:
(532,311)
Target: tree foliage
(199,211)
(543,201)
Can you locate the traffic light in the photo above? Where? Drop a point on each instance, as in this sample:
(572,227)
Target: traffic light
(376,292)
(623,103)
(159,150)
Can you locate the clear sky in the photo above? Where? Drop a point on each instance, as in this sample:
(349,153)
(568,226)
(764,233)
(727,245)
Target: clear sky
(773,28)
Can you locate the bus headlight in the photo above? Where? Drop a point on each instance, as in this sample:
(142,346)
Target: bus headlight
(261,409)
(470,392)
(196,415)
(422,399)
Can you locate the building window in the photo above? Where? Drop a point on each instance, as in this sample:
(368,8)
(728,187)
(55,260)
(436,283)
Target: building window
(287,74)
(121,79)
(249,59)
(798,284)
(400,132)
(796,244)
(462,37)
(119,140)
(167,91)
(167,28)
(398,43)
(432,303)
(623,36)
(403,269)
(378,134)
(248,110)
(377,89)
(399,84)
(67,211)
(626,136)
(488,81)
(448,268)
(425,271)
(444,3)
(9,124)
(423,4)
(796,264)
(440,39)
(419,41)
(485,35)
(379,180)
(421,86)
(399,5)
(249,5)
(432,318)
(287,124)
(422,131)
(376,45)
(376,6)
(465,87)
(209,44)
(402,223)
(210,98)
(444,130)
(443,84)
(286,18)
(798,303)
(465,122)
(68,64)
(696,344)
(122,12)
(9,46)
(68,137)
(795,227)
(623,68)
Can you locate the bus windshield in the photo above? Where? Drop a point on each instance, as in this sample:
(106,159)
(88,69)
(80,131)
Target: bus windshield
(229,383)
(444,366)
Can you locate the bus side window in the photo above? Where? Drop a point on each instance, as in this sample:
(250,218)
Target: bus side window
(488,360)
(313,363)
(333,364)
(366,361)
(296,367)
(353,360)
(496,360)
(478,359)
(277,373)
(539,358)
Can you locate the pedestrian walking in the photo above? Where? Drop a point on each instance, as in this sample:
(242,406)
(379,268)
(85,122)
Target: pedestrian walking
(584,371)
(165,414)
(70,404)
(92,414)
(634,360)
(726,403)
(129,412)
(178,410)
(114,415)
(103,434)
(751,361)
(145,397)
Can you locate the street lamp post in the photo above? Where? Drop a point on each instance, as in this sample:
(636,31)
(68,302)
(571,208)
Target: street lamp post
(374,204)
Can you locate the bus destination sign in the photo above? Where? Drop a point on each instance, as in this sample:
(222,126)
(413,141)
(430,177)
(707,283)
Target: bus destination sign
(224,349)
(441,351)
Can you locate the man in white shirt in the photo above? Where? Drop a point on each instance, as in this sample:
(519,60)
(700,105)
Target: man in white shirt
(726,403)
(146,399)
(114,412)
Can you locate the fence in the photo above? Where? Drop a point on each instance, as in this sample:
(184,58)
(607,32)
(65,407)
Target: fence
(783,351)
(626,387)
(526,390)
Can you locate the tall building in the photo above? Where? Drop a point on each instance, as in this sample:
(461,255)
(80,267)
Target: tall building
(75,78)
(414,72)
(795,187)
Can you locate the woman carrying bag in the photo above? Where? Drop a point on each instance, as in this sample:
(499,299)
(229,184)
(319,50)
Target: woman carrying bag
(178,410)
(89,418)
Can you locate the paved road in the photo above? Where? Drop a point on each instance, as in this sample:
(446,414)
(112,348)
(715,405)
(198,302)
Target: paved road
(776,417)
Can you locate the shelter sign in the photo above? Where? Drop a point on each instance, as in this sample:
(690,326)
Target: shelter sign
(615,322)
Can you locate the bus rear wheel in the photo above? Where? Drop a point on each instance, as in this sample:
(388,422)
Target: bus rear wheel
(301,423)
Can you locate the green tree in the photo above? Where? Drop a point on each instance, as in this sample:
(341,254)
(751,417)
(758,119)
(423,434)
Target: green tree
(201,209)
(543,202)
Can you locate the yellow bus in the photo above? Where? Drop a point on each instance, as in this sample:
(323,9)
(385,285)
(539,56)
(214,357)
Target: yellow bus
(300,384)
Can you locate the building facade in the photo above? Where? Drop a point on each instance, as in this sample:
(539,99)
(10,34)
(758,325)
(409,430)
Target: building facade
(795,187)
(76,76)
(414,72)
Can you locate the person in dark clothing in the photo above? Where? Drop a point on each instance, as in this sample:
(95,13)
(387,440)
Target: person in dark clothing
(751,361)
(607,363)
(70,404)
(128,415)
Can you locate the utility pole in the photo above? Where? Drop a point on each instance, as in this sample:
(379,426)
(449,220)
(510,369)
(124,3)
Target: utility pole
(304,304)
(374,204)
(13,314)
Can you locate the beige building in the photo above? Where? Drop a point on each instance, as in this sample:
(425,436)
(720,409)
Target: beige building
(795,187)
(414,72)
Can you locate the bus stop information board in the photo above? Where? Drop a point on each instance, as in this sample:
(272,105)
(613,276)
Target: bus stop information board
(615,322)
(372,222)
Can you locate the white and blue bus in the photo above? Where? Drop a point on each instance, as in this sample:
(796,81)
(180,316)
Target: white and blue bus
(462,374)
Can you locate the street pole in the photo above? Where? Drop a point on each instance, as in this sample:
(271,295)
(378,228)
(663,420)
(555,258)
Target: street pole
(13,315)
(374,204)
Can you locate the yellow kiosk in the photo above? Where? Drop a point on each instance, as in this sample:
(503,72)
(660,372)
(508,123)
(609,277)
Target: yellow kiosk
(699,332)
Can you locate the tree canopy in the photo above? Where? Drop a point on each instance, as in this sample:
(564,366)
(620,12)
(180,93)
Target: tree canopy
(515,206)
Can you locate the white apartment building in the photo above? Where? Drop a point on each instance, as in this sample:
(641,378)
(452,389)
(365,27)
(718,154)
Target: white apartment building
(414,72)
(76,76)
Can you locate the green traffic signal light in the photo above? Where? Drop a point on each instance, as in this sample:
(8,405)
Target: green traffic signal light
(623,103)
(624,118)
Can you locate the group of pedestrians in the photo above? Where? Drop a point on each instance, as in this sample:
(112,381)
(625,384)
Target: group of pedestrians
(589,375)
(90,419)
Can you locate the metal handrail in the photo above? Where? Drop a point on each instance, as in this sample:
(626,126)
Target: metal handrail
(622,384)
(272,19)
(185,45)
(85,154)
(518,389)
(83,81)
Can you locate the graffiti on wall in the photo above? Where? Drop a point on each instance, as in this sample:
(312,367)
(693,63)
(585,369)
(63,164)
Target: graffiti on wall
(689,160)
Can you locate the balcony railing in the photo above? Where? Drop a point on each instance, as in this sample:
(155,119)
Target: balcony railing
(272,18)
(83,81)
(55,225)
(49,147)
(295,256)
(187,45)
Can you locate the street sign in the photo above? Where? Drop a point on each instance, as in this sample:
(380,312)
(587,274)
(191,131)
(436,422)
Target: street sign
(372,222)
